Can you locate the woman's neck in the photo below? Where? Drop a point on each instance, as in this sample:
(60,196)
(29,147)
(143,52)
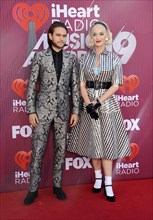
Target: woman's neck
(99,50)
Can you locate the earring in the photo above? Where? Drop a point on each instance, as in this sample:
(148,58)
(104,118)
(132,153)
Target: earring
(106,40)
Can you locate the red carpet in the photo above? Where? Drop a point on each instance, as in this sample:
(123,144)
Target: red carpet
(134,202)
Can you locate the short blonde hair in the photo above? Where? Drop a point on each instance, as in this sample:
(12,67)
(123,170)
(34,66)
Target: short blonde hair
(90,41)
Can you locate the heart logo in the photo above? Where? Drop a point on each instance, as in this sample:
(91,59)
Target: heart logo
(23,14)
(22,158)
(130,82)
(134,151)
(19,86)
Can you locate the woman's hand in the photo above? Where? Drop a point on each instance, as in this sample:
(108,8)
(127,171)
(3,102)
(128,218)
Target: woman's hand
(94,102)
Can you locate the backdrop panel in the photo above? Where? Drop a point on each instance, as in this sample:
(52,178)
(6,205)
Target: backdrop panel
(24,26)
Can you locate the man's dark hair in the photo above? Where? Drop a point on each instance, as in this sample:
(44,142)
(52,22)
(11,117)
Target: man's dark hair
(51,30)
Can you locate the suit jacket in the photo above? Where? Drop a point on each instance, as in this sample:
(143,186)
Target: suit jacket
(52,98)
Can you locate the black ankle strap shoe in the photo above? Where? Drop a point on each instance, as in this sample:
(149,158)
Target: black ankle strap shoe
(97,190)
(109,198)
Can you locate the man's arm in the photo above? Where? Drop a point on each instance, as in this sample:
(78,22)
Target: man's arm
(31,91)
(75,90)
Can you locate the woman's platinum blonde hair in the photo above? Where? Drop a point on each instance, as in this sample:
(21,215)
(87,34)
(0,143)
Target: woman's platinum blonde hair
(90,42)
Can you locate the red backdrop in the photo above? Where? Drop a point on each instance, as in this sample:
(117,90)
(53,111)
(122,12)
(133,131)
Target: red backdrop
(23,31)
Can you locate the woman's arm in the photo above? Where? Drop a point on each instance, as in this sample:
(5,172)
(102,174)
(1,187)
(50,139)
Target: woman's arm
(84,93)
(109,93)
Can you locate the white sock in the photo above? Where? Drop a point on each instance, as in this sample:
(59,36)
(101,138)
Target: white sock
(98,182)
(109,190)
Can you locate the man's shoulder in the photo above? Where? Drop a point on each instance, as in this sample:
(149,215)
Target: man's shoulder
(40,53)
(69,54)
(43,52)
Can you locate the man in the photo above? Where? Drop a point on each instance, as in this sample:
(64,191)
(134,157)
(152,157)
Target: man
(56,71)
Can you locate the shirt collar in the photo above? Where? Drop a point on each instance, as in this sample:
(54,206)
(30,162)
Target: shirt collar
(104,52)
(55,52)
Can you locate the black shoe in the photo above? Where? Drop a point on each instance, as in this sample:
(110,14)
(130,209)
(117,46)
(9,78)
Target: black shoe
(29,199)
(59,193)
(97,190)
(109,198)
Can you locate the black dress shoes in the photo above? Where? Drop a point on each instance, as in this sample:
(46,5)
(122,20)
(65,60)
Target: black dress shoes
(109,198)
(59,193)
(29,199)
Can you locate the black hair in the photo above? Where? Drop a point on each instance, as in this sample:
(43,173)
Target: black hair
(101,23)
(51,30)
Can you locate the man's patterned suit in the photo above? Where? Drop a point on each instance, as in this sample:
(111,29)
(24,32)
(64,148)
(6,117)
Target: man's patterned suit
(51,104)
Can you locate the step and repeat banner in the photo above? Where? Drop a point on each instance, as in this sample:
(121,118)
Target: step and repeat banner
(24,26)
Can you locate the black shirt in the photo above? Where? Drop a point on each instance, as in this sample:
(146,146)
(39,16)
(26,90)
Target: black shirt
(58,60)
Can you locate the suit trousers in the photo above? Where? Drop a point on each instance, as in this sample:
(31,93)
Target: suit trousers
(39,143)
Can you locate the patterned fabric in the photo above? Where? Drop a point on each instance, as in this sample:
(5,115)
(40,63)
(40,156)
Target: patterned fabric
(52,96)
(51,104)
(39,143)
(105,137)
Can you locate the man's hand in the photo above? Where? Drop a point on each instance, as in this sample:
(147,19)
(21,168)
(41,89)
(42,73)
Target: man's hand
(33,119)
(73,120)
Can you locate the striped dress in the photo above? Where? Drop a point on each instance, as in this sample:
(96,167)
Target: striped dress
(106,137)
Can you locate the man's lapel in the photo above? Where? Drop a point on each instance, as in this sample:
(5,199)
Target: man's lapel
(49,57)
(64,66)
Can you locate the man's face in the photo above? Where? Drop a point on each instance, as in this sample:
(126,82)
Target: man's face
(58,38)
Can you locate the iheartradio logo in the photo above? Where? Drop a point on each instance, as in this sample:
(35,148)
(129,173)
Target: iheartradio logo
(23,14)
(22,159)
(19,86)
(130,83)
(134,152)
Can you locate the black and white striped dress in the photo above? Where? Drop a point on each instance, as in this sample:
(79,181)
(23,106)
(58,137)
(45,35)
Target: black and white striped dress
(105,137)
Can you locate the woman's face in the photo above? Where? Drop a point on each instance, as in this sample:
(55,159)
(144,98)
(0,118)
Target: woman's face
(99,35)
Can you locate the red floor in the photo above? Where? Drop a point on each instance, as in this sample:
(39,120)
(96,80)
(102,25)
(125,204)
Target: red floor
(134,202)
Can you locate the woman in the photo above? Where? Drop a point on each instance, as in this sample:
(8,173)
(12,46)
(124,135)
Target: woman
(100,133)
